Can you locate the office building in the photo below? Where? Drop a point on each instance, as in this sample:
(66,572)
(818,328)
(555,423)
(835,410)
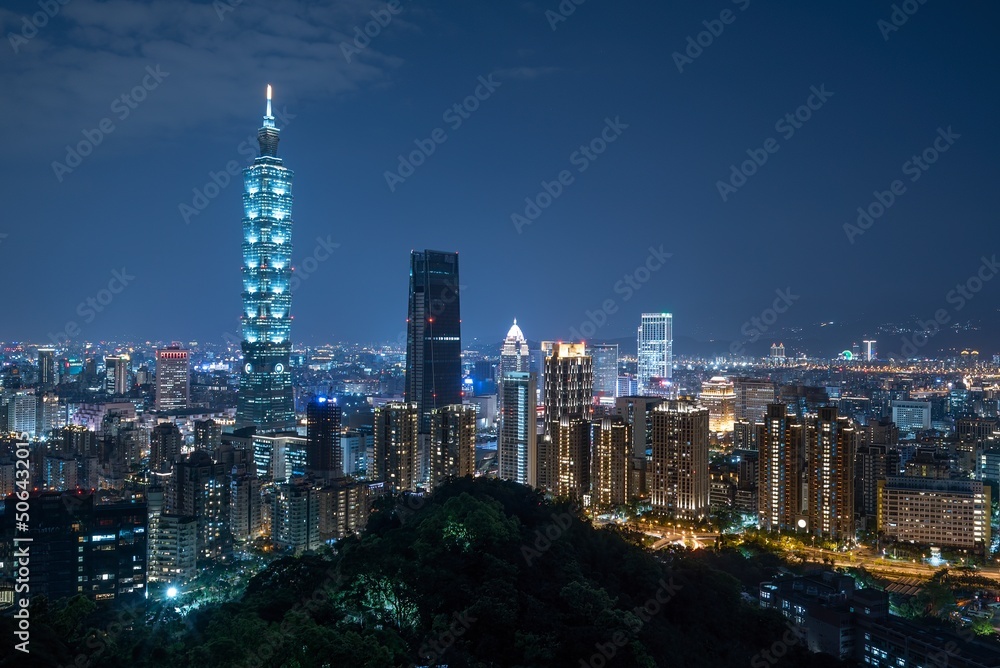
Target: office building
(517,444)
(911,417)
(173,385)
(752,397)
(325,457)
(719,397)
(116,370)
(433,334)
(655,356)
(939,512)
(514,358)
(46,368)
(870,351)
(679,477)
(569,388)
(265,398)
(605,360)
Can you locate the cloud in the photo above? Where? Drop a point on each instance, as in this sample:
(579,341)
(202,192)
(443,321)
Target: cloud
(524,73)
(219,55)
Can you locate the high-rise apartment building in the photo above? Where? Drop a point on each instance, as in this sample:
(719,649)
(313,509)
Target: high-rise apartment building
(453,442)
(831,446)
(394,459)
(265,397)
(165,443)
(199,487)
(572,444)
(780,471)
(173,382)
(611,466)
(656,353)
(679,479)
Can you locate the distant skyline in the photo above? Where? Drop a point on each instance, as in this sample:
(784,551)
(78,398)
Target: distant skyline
(578,173)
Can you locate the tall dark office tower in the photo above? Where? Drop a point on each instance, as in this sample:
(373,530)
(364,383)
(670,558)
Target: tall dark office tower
(433,343)
(165,443)
(324,456)
(265,399)
(173,378)
(116,375)
(46,367)
(433,334)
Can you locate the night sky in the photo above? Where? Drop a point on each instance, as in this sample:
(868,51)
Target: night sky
(606,67)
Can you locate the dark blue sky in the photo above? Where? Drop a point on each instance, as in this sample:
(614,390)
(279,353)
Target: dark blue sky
(655,185)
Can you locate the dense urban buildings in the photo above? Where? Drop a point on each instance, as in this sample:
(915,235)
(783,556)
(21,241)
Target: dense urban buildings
(265,398)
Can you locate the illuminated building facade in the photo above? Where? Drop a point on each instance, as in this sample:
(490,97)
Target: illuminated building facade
(571,440)
(719,397)
(323,417)
(679,479)
(611,468)
(752,397)
(569,390)
(394,459)
(605,357)
(945,513)
(517,446)
(832,444)
(46,367)
(173,382)
(656,353)
(780,475)
(265,397)
(453,442)
(116,375)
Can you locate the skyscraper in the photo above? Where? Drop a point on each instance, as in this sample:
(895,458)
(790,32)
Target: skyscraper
(679,479)
(517,447)
(605,356)
(870,350)
(832,443)
(611,468)
(116,375)
(514,357)
(752,397)
(453,442)
(433,342)
(173,383)
(780,476)
(323,417)
(46,367)
(265,398)
(394,460)
(656,353)
(569,389)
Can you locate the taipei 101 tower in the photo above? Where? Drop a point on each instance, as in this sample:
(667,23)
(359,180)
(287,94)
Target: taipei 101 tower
(265,397)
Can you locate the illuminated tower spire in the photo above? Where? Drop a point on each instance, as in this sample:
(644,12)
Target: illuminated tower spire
(265,399)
